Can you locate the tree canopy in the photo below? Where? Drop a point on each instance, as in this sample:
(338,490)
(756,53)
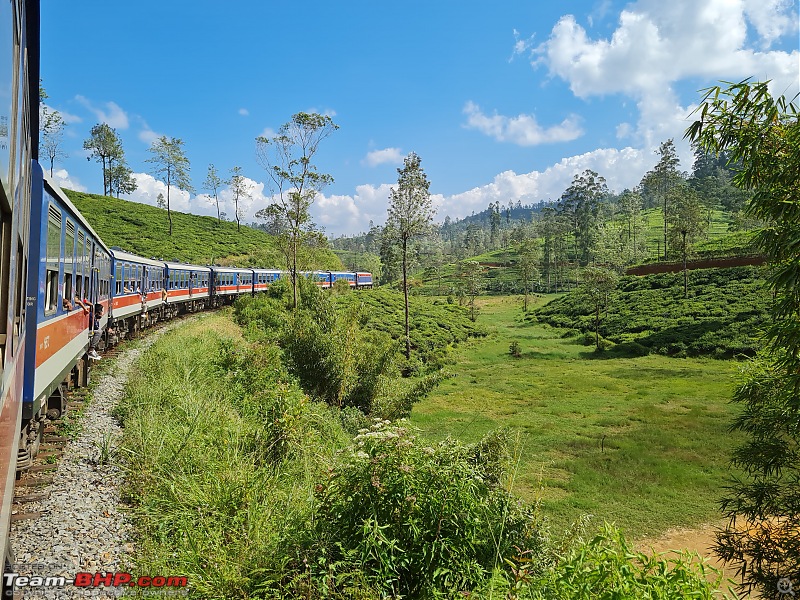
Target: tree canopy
(170,163)
(762,135)
(410,214)
(294,180)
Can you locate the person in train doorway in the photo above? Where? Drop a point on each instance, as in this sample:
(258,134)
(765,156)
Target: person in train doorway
(95,330)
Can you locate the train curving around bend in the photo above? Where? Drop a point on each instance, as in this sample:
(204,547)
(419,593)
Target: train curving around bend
(64,294)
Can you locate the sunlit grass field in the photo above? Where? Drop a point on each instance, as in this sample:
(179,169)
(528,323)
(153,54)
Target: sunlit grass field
(641,442)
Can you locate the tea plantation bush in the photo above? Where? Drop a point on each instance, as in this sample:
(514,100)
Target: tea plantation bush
(722,317)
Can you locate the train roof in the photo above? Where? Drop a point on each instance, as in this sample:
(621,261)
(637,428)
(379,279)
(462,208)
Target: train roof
(187,266)
(130,257)
(75,213)
(232,269)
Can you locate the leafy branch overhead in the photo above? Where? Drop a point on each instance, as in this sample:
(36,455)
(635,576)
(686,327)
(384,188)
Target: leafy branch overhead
(762,135)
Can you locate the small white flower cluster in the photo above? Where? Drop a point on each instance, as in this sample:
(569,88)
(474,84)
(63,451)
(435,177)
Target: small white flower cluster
(381,430)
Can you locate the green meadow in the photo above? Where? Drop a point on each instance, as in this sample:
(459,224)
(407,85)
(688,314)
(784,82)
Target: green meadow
(641,442)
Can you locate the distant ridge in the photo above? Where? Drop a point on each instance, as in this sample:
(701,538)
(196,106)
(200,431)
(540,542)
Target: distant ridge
(143,230)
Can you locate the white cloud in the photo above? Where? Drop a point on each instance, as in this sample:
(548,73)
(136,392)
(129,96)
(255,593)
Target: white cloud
(522,130)
(621,169)
(392,156)
(268,133)
(657,44)
(65,180)
(244,112)
(349,214)
(110,114)
(148,188)
(771,18)
(148,136)
(68,118)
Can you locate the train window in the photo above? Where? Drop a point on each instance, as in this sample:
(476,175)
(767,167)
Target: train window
(53,258)
(118,278)
(5,273)
(19,311)
(69,259)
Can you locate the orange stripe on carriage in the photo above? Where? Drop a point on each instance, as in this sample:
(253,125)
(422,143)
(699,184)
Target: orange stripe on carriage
(53,335)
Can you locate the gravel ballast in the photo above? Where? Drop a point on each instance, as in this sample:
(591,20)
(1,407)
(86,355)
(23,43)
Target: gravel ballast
(83,527)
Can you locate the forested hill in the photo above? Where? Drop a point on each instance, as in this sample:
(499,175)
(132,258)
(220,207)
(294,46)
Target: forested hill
(144,230)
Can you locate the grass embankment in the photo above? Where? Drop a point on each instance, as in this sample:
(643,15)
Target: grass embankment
(723,316)
(641,442)
(202,436)
(144,230)
(241,483)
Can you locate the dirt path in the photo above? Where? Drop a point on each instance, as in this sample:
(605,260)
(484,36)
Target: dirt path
(697,540)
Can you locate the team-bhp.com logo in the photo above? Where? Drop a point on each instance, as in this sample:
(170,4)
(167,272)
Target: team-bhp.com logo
(93,580)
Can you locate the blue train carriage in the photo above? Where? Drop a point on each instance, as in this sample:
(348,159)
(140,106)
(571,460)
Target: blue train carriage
(350,278)
(19,112)
(187,288)
(69,296)
(323,279)
(263,278)
(364,281)
(228,283)
(136,287)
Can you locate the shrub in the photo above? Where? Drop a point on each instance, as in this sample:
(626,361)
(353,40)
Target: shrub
(631,349)
(515,349)
(416,521)
(607,567)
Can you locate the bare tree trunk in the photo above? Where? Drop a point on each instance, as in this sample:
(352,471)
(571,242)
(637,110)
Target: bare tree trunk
(665,225)
(597,327)
(405,297)
(169,212)
(685,274)
(294,272)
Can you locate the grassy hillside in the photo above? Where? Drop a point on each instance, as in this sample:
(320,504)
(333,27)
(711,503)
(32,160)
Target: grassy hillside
(143,230)
(640,441)
(722,316)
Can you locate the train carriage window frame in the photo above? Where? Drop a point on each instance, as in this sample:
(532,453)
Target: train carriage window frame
(118,274)
(69,260)
(6,244)
(52,259)
(81,239)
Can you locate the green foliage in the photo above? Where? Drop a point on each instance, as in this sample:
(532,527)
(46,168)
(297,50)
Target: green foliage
(139,228)
(434,327)
(762,135)
(240,483)
(295,182)
(597,285)
(416,520)
(515,349)
(221,452)
(722,318)
(337,352)
(607,568)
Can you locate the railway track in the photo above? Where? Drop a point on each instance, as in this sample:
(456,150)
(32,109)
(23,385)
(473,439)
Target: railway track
(27,488)
(67,516)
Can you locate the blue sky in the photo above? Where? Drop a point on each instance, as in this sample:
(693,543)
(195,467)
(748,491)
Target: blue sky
(503,100)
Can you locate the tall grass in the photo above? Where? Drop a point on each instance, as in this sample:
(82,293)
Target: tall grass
(201,445)
(240,483)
